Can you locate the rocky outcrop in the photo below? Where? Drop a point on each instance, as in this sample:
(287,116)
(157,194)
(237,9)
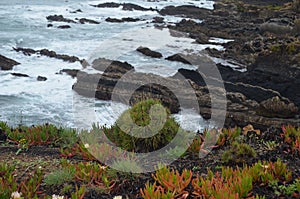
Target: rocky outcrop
(146,51)
(6,63)
(48,53)
(59,18)
(187,11)
(125,19)
(125,6)
(132,88)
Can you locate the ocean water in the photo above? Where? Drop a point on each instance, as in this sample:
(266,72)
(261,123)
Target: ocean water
(23,23)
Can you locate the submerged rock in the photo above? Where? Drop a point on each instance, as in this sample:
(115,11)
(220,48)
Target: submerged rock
(126,19)
(19,74)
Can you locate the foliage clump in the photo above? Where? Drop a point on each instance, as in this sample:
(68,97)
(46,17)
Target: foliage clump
(238,152)
(159,125)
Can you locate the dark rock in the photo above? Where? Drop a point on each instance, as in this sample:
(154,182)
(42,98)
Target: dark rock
(115,68)
(127,19)
(187,11)
(59,18)
(48,53)
(76,11)
(158,20)
(25,51)
(19,74)
(126,6)
(179,58)
(108,5)
(49,25)
(64,27)
(146,51)
(71,72)
(3,135)
(41,78)
(6,63)
(84,21)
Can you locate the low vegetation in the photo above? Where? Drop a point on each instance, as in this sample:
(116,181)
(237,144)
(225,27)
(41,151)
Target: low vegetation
(47,161)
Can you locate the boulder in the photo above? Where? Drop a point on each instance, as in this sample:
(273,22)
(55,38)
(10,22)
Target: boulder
(276,107)
(179,58)
(41,78)
(6,63)
(112,67)
(146,51)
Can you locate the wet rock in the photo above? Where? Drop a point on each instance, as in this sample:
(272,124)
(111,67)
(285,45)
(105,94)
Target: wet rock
(126,19)
(48,53)
(179,58)
(146,51)
(276,107)
(41,78)
(125,6)
(59,18)
(90,21)
(71,72)
(6,63)
(64,27)
(158,20)
(112,67)
(25,51)
(19,74)
(49,25)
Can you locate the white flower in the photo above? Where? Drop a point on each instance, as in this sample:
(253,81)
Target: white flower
(117,197)
(15,195)
(57,197)
(86,145)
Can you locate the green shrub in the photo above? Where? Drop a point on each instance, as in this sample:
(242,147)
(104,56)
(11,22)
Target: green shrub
(160,124)
(238,152)
(59,177)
